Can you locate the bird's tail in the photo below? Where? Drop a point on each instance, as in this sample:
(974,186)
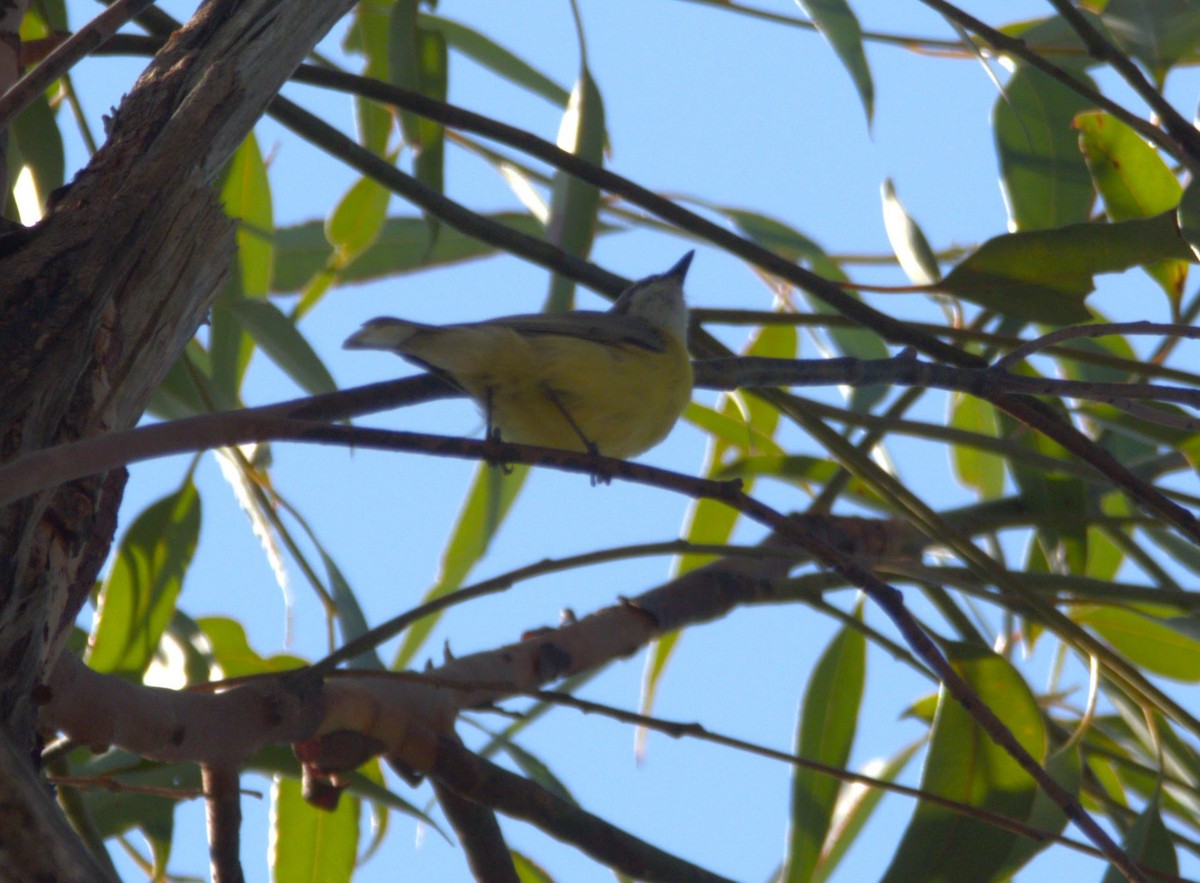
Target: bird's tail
(384,334)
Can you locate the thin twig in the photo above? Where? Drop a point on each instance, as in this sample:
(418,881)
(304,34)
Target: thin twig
(65,55)
(1100,329)
(485,783)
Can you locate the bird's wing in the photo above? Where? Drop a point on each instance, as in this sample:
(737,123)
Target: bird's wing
(606,328)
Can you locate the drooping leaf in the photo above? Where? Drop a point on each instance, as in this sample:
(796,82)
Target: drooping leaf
(356,221)
(279,338)
(496,58)
(310,844)
(1135,182)
(1149,843)
(908,242)
(246,195)
(231,650)
(36,143)
(1188,216)
(977,469)
(417,61)
(401,246)
(137,598)
(856,804)
(1045,275)
(488,501)
(828,721)
(708,521)
(369,35)
(839,26)
(1147,640)
(1046,815)
(575,204)
(350,615)
(965,765)
(1045,181)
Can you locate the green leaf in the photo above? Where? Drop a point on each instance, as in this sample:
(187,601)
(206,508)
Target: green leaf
(369,34)
(1149,843)
(802,471)
(964,764)
(417,61)
(402,246)
(839,26)
(1045,181)
(365,782)
(229,346)
(137,598)
(1179,551)
(1130,174)
(575,204)
(356,222)
(1147,640)
(1054,35)
(732,430)
(534,768)
(908,242)
(1104,555)
(1065,535)
(1156,32)
(771,233)
(283,342)
(708,521)
(489,499)
(977,469)
(1134,181)
(529,871)
(349,614)
(826,733)
(855,806)
(309,845)
(1045,275)
(496,58)
(429,164)
(858,343)
(177,396)
(1188,216)
(37,142)
(1065,767)
(231,650)
(116,810)
(246,194)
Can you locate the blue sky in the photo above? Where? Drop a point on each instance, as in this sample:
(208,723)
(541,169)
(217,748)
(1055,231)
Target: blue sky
(699,102)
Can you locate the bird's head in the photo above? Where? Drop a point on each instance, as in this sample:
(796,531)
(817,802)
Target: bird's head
(659,299)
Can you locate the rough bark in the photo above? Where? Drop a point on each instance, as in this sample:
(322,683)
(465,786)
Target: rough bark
(100,298)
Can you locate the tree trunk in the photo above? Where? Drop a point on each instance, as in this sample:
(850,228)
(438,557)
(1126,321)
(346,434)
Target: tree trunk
(98,301)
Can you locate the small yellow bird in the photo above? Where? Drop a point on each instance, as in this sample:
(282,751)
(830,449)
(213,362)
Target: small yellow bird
(612,383)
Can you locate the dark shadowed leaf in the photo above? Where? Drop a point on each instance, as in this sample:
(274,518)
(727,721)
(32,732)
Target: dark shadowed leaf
(1045,181)
(1045,275)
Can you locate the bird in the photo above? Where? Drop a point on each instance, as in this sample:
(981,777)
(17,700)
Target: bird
(610,383)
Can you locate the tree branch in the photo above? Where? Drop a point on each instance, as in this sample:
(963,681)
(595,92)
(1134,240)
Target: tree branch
(223,804)
(479,835)
(482,782)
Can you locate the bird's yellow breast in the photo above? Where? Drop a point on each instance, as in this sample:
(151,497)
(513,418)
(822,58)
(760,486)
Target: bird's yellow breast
(624,398)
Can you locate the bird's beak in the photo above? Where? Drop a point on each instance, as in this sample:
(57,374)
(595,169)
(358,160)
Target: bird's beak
(679,271)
